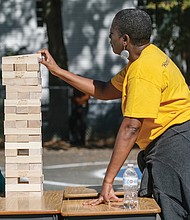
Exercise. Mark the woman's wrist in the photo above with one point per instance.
(108, 181)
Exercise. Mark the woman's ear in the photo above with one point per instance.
(126, 38)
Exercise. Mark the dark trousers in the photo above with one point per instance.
(166, 172)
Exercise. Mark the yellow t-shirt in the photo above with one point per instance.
(153, 88)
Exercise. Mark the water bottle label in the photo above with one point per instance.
(130, 181)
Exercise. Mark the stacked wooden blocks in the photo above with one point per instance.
(22, 125)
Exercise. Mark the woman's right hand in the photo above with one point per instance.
(48, 61)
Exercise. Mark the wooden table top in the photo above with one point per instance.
(76, 208)
(71, 192)
(49, 203)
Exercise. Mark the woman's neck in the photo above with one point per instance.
(135, 51)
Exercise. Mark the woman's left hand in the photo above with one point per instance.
(107, 195)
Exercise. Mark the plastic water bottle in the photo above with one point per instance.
(130, 187)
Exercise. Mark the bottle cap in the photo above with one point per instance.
(130, 165)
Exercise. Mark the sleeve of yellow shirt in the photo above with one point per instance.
(117, 80)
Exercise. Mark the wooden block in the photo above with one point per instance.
(21, 124)
(27, 195)
(20, 67)
(9, 124)
(36, 180)
(23, 166)
(22, 131)
(12, 95)
(24, 159)
(28, 145)
(35, 138)
(28, 110)
(16, 138)
(10, 88)
(35, 166)
(9, 109)
(10, 166)
(11, 180)
(21, 81)
(34, 124)
(23, 95)
(16, 124)
(10, 152)
(8, 67)
(33, 152)
(33, 67)
(12, 194)
(10, 138)
(27, 58)
(35, 95)
(10, 117)
(20, 74)
(23, 173)
(23, 187)
(34, 110)
(24, 139)
(22, 102)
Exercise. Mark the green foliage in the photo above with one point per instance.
(173, 30)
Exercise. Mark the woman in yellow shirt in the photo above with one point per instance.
(156, 113)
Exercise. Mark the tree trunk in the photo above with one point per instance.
(58, 103)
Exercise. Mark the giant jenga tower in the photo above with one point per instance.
(22, 125)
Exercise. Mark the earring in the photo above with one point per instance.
(124, 54)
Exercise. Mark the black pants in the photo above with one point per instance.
(166, 172)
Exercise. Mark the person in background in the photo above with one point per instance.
(156, 114)
(77, 120)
